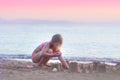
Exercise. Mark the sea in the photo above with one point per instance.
(94, 42)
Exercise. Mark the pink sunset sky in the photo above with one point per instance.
(69, 10)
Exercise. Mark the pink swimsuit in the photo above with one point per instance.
(33, 54)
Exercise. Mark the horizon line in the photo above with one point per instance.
(53, 21)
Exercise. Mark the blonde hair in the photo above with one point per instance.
(57, 38)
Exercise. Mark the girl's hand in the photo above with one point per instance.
(67, 67)
(64, 63)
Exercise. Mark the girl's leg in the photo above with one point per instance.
(40, 63)
(37, 57)
(44, 61)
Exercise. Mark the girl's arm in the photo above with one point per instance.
(50, 55)
(63, 62)
(46, 54)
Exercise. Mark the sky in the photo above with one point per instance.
(67, 10)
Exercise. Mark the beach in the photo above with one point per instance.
(18, 70)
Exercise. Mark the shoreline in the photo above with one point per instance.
(82, 59)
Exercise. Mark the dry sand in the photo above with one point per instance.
(17, 70)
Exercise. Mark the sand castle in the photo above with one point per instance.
(88, 67)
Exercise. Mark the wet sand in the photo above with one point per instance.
(17, 70)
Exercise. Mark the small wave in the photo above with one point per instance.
(85, 59)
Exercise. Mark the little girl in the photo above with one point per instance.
(43, 53)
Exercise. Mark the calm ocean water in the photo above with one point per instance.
(101, 41)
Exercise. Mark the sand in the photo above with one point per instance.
(17, 70)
